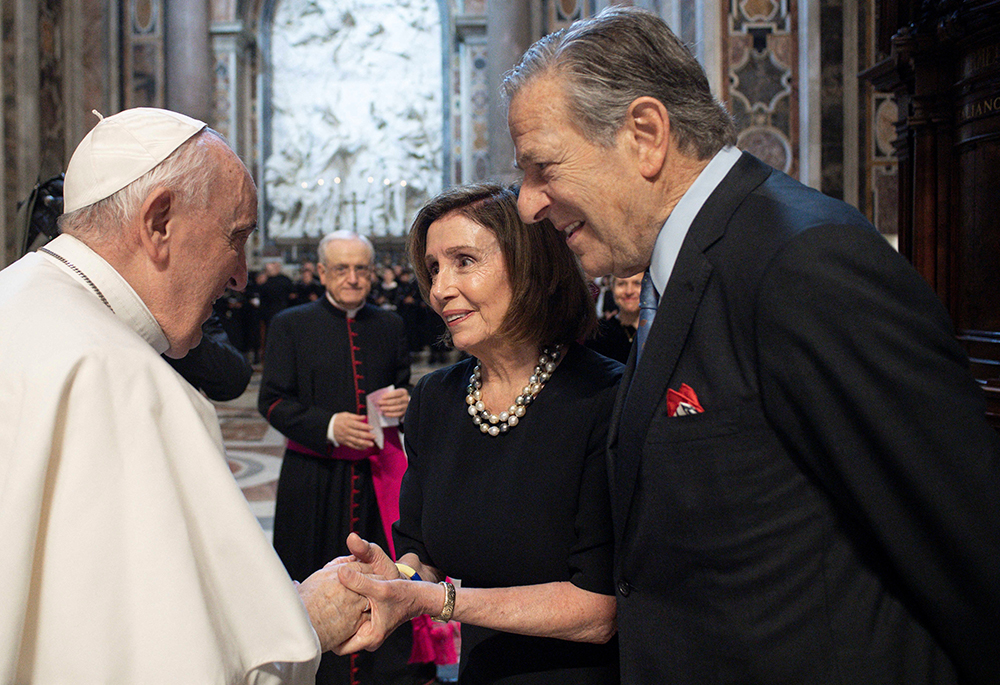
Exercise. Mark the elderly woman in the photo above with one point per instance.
(506, 487)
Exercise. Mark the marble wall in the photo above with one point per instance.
(356, 126)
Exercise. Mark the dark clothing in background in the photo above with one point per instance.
(612, 339)
(214, 365)
(275, 295)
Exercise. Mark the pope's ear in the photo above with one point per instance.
(154, 223)
(649, 125)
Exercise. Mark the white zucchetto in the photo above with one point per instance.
(120, 149)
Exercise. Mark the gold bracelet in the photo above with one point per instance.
(449, 603)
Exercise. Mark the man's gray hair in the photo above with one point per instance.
(621, 54)
(343, 234)
(184, 171)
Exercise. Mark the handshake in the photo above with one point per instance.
(356, 602)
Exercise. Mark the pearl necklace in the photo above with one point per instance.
(495, 424)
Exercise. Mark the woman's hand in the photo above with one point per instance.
(394, 600)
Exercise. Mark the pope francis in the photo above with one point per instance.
(128, 552)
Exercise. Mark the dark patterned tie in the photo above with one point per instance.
(647, 310)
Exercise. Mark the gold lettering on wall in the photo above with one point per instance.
(985, 107)
(982, 59)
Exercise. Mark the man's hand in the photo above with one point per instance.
(351, 430)
(336, 612)
(393, 403)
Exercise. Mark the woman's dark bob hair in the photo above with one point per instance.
(551, 303)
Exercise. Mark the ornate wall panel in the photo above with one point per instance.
(834, 87)
(879, 180)
(470, 97)
(558, 14)
(143, 54)
(762, 55)
(228, 46)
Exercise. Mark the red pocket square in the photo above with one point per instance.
(683, 402)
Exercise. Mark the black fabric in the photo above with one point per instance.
(612, 339)
(309, 369)
(526, 507)
(275, 295)
(832, 515)
(309, 375)
(214, 365)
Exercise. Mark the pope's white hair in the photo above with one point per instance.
(185, 171)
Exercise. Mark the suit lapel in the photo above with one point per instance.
(616, 413)
(644, 385)
(642, 396)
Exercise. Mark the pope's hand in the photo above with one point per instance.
(335, 611)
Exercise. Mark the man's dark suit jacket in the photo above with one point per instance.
(832, 515)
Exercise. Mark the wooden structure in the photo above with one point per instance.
(943, 64)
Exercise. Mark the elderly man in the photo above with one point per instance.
(129, 554)
(804, 484)
(322, 361)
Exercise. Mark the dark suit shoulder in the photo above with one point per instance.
(782, 207)
(773, 213)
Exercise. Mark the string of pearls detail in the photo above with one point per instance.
(495, 424)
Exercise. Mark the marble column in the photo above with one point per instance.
(189, 59)
(21, 168)
(508, 35)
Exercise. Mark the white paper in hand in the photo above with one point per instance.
(376, 419)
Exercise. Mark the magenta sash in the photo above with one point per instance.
(387, 466)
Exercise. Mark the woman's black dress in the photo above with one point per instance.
(526, 507)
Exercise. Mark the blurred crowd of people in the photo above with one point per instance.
(245, 315)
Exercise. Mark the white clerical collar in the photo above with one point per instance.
(351, 313)
(119, 295)
(671, 237)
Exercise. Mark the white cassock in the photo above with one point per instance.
(127, 552)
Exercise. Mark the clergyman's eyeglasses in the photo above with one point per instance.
(341, 270)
